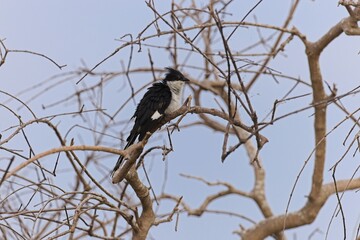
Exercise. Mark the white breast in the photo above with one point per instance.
(176, 88)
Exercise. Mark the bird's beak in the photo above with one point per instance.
(186, 80)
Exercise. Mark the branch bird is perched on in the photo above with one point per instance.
(161, 98)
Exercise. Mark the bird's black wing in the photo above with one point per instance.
(157, 98)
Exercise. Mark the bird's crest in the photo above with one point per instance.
(173, 75)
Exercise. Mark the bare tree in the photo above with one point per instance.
(66, 190)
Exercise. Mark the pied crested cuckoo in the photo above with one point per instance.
(161, 98)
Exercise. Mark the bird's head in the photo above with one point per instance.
(174, 75)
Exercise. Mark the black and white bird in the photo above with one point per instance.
(161, 98)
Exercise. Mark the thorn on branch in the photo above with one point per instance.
(81, 109)
(7, 169)
(67, 217)
(166, 150)
(149, 182)
(91, 226)
(56, 164)
(358, 142)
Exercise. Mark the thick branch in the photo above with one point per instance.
(147, 217)
(304, 216)
(320, 119)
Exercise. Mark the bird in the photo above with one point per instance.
(161, 98)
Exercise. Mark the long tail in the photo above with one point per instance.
(131, 140)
